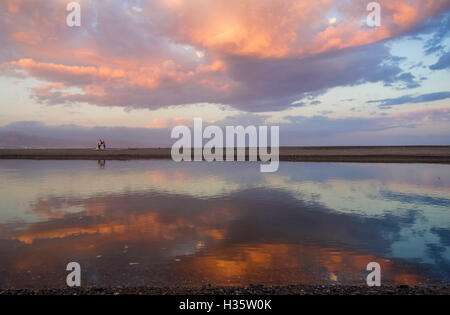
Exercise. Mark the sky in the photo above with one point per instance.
(135, 69)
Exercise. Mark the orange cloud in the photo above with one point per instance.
(94, 78)
(30, 38)
(278, 29)
(169, 122)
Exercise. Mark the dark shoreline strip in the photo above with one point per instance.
(404, 154)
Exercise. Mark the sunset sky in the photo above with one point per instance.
(135, 69)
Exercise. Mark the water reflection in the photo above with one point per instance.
(101, 164)
(165, 223)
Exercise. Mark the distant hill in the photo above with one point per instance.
(17, 140)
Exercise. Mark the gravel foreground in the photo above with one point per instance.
(250, 290)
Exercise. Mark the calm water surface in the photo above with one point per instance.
(166, 224)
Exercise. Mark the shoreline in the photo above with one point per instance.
(369, 154)
(255, 290)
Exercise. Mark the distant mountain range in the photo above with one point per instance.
(15, 140)
(18, 140)
(31, 134)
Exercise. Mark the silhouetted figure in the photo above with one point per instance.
(101, 144)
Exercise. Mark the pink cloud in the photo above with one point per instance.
(172, 52)
(279, 29)
(169, 123)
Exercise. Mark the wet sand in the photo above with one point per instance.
(257, 290)
(391, 154)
